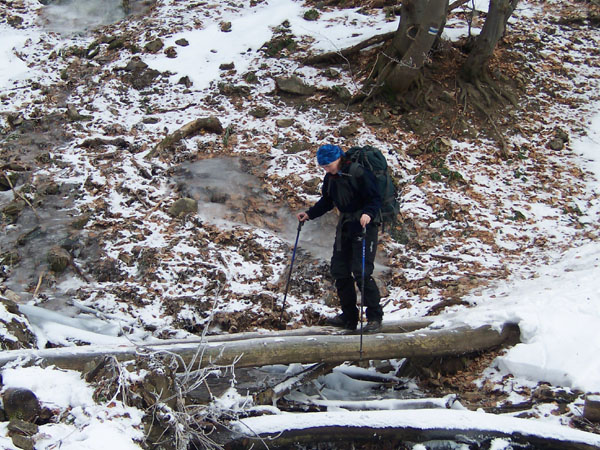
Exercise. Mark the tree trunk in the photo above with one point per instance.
(397, 68)
(287, 350)
(493, 29)
(388, 429)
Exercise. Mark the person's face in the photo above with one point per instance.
(333, 167)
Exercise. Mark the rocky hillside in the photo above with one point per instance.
(151, 168)
(99, 178)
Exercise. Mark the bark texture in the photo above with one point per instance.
(400, 64)
(287, 350)
(415, 432)
(493, 29)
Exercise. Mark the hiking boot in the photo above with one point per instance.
(373, 326)
(341, 322)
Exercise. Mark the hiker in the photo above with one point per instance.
(358, 202)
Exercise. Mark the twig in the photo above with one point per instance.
(39, 283)
(18, 194)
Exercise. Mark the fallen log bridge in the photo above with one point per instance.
(282, 349)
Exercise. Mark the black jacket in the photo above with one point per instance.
(353, 192)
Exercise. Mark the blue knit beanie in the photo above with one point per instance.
(328, 153)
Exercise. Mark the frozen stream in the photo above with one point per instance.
(228, 195)
(79, 16)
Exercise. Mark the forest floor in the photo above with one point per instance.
(484, 197)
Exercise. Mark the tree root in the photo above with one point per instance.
(469, 93)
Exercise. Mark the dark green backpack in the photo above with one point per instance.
(373, 159)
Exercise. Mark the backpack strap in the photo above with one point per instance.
(355, 171)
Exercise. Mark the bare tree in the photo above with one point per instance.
(398, 67)
(475, 67)
(400, 64)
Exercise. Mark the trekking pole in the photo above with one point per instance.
(287, 285)
(362, 288)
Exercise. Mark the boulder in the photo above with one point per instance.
(293, 85)
(58, 259)
(260, 112)
(284, 123)
(21, 404)
(18, 426)
(183, 207)
(154, 46)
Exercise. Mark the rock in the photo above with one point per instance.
(250, 77)
(8, 180)
(80, 221)
(171, 52)
(154, 46)
(74, 115)
(15, 21)
(138, 73)
(227, 66)
(311, 15)
(144, 79)
(186, 82)
(116, 44)
(591, 408)
(18, 426)
(17, 333)
(49, 188)
(332, 74)
(135, 65)
(342, 93)
(556, 144)
(225, 27)
(260, 112)
(13, 297)
(558, 140)
(293, 85)
(298, 146)
(203, 124)
(276, 45)
(349, 130)
(284, 123)
(58, 259)
(232, 90)
(24, 442)
(21, 404)
(182, 42)
(183, 207)
(372, 119)
(13, 210)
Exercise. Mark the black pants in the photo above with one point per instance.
(346, 269)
